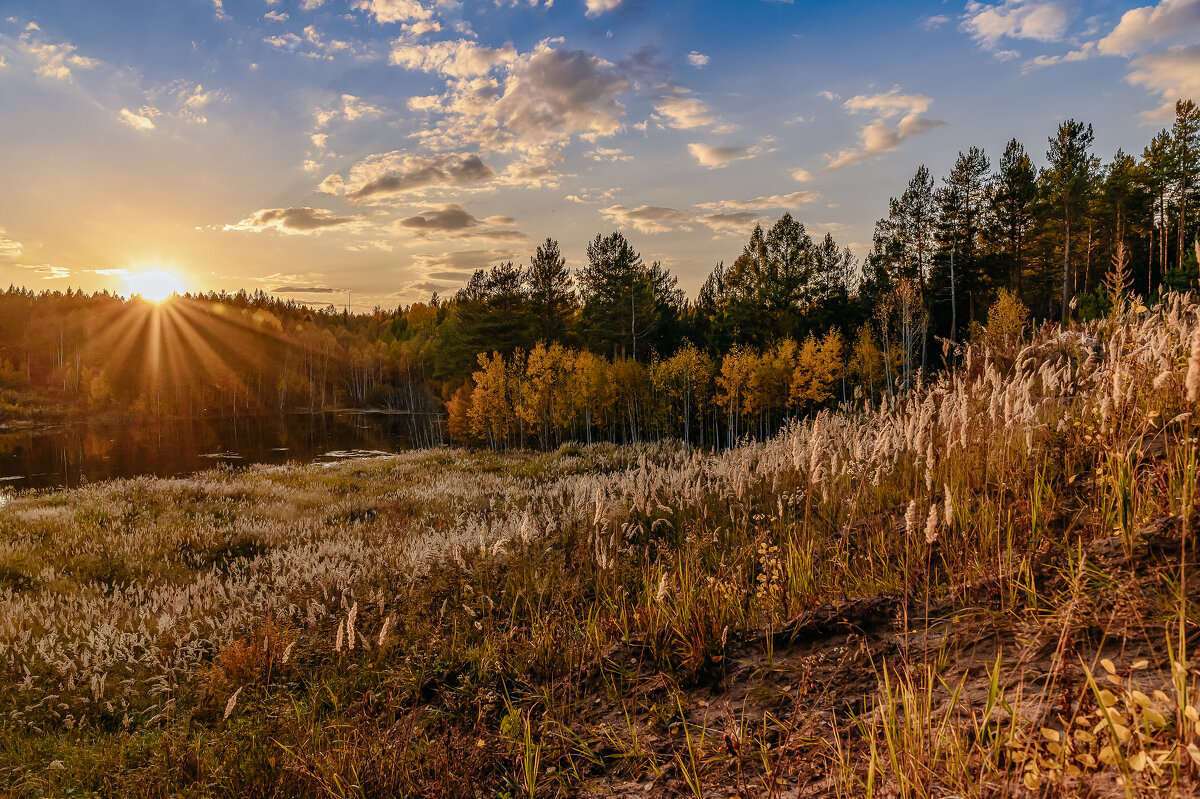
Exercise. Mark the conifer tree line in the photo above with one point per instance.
(535, 354)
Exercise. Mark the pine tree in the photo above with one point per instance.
(618, 299)
(551, 293)
(1012, 209)
(1069, 182)
(1185, 150)
(962, 205)
(1158, 170)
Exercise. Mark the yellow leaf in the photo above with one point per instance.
(1049, 734)
(1072, 771)
(1032, 781)
(1106, 698)
(1085, 736)
(1138, 761)
(1154, 717)
(1194, 751)
(1123, 733)
(1114, 679)
(1141, 699)
(1140, 664)
(1108, 666)
(1192, 714)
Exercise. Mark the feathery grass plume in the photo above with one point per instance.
(948, 506)
(662, 589)
(931, 524)
(341, 632)
(231, 704)
(912, 519)
(383, 631)
(287, 654)
(1193, 372)
(350, 626)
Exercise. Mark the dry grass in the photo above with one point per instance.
(922, 599)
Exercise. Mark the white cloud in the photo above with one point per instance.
(567, 91)
(456, 59)
(311, 5)
(934, 22)
(785, 201)
(452, 221)
(608, 154)
(386, 11)
(9, 248)
(697, 59)
(881, 135)
(888, 104)
(647, 218)
(825, 94)
(597, 7)
(421, 27)
(1173, 73)
(276, 16)
(681, 110)
(385, 175)
(302, 221)
(801, 175)
(332, 184)
(717, 157)
(138, 121)
(47, 271)
(54, 60)
(738, 223)
(1040, 20)
(1168, 21)
(1082, 54)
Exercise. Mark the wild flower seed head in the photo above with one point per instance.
(662, 589)
(1193, 372)
(341, 633)
(350, 626)
(912, 518)
(232, 703)
(931, 524)
(383, 631)
(948, 506)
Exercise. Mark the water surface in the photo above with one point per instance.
(72, 454)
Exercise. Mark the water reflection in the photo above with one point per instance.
(70, 455)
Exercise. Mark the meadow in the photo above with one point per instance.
(981, 587)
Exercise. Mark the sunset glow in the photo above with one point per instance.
(155, 285)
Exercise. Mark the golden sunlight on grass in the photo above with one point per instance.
(154, 285)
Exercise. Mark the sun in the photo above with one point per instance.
(154, 286)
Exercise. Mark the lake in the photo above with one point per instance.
(72, 454)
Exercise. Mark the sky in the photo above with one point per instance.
(384, 149)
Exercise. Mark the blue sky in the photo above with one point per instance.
(389, 147)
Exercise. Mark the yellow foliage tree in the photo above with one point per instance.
(490, 409)
(818, 366)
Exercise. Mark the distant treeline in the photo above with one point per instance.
(534, 354)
